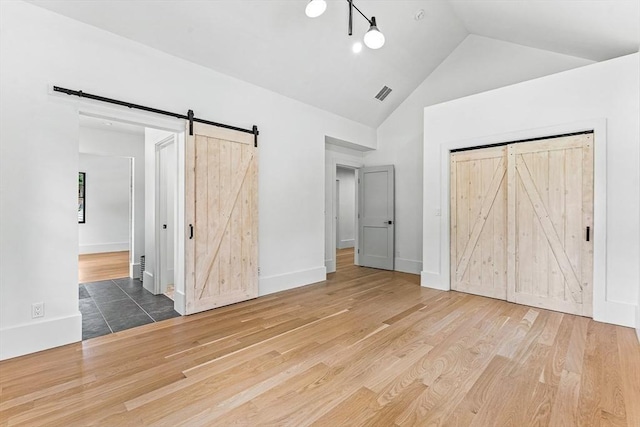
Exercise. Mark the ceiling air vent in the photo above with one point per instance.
(384, 92)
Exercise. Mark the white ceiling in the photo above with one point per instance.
(591, 29)
(274, 45)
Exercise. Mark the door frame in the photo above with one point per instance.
(331, 265)
(336, 218)
(94, 109)
(601, 307)
(157, 277)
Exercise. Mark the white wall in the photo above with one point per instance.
(347, 208)
(39, 143)
(107, 228)
(123, 144)
(603, 96)
(476, 65)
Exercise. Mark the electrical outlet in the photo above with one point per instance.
(37, 309)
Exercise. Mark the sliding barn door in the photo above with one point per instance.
(478, 222)
(521, 218)
(550, 208)
(221, 217)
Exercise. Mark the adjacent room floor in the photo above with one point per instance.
(115, 305)
(110, 301)
(103, 266)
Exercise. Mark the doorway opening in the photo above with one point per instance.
(128, 204)
(346, 201)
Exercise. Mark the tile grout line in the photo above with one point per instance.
(98, 308)
(136, 302)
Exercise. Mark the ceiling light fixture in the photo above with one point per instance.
(357, 47)
(373, 38)
(315, 8)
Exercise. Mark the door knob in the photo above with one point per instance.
(390, 222)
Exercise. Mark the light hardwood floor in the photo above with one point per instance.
(103, 266)
(366, 347)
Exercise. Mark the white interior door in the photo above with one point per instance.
(166, 163)
(376, 215)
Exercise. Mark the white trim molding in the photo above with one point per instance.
(407, 266)
(99, 248)
(31, 337)
(286, 281)
(134, 270)
(148, 281)
(346, 243)
(179, 302)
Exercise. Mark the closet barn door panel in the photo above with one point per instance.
(222, 209)
(519, 218)
(550, 206)
(478, 222)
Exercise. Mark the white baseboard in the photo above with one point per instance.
(179, 302)
(283, 282)
(148, 283)
(103, 247)
(616, 313)
(432, 280)
(330, 265)
(37, 336)
(134, 270)
(638, 322)
(408, 266)
(612, 312)
(348, 243)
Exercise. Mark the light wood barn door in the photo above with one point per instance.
(222, 207)
(478, 222)
(550, 207)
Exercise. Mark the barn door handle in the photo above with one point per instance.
(588, 233)
(190, 231)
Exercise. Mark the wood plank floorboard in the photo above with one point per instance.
(103, 266)
(366, 347)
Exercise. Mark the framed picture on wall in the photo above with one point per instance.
(81, 197)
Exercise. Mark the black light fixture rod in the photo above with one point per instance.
(359, 11)
(188, 117)
(350, 17)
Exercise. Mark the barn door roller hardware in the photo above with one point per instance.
(500, 144)
(189, 116)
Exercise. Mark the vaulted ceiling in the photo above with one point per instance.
(274, 45)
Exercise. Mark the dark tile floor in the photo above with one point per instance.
(115, 305)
